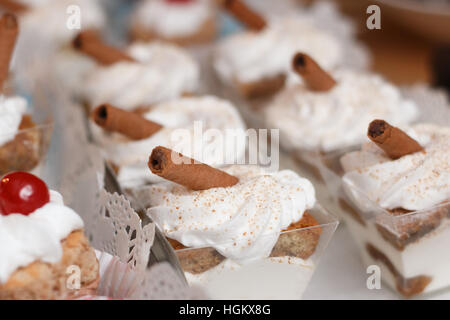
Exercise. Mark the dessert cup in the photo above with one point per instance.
(324, 169)
(250, 66)
(409, 248)
(407, 245)
(237, 230)
(285, 274)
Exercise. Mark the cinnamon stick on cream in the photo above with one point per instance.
(395, 142)
(9, 30)
(125, 122)
(244, 14)
(188, 172)
(91, 44)
(13, 6)
(313, 75)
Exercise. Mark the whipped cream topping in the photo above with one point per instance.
(251, 56)
(414, 182)
(12, 110)
(25, 239)
(50, 18)
(177, 118)
(164, 71)
(338, 118)
(173, 19)
(242, 222)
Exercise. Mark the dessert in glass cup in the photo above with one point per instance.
(256, 63)
(40, 239)
(181, 124)
(184, 22)
(241, 232)
(326, 115)
(397, 188)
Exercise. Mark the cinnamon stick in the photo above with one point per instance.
(9, 29)
(395, 142)
(188, 172)
(314, 76)
(244, 14)
(13, 6)
(125, 122)
(91, 44)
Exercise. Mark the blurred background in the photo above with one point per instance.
(413, 44)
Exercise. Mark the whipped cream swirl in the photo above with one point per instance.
(414, 182)
(338, 118)
(251, 56)
(180, 133)
(163, 72)
(173, 19)
(242, 222)
(25, 239)
(12, 110)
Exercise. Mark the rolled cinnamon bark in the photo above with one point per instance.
(188, 172)
(90, 43)
(9, 30)
(315, 77)
(13, 6)
(244, 14)
(127, 123)
(395, 142)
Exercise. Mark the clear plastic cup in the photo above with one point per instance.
(285, 274)
(409, 248)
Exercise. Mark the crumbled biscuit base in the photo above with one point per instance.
(44, 281)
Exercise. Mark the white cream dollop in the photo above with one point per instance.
(163, 71)
(338, 118)
(417, 181)
(36, 237)
(242, 222)
(12, 110)
(173, 19)
(251, 56)
(183, 120)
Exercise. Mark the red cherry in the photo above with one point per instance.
(179, 1)
(22, 192)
